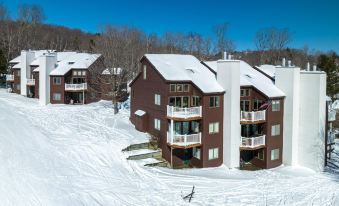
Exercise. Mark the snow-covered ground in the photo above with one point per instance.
(71, 155)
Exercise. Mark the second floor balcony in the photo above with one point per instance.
(252, 142)
(184, 112)
(253, 117)
(9, 77)
(183, 140)
(76, 87)
(30, 82)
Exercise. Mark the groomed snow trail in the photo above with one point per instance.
(71, 155)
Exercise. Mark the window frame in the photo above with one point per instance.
(275, 154)
(56, 82)
(144, 71)
(274, 130)
(175, 87)
(213, 128)
(187, 86)
(181, 86)
(157, 99)
(54, 96)
(196, 152)
(157, 124)
(214, 152)
(214, 101)
(275, 105)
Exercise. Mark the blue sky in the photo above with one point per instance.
(315, 24)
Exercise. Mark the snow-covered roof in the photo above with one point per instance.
(17, 66)
(60, 56)
(15, 60)
(267, 69)
(75, 61)
(251, 77)
(140, 112)
(175, 67)
(37, 53)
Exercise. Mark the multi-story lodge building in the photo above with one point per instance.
(56, 77)
(208, 113)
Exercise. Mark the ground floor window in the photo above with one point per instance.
(56, 96)
(157, 124)
(213, 153)
(275, 154)
(18, 87)
(196, 153)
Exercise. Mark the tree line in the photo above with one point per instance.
(123, 46)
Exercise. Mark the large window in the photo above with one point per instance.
(245, 105)
(215, 101)
(213, 153)
(56, 80)
(179, 101)
(196, 152)
(275, 105)
(257, 104)
(275, 154)
(260, 154)
(275, 130)
(56, 96)
(196, 101)
(157, 99)
(157, 124)
(213, 128)
(244, 92)
(144, 72)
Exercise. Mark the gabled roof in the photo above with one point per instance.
(175, 67)
(251, 77)
(60, 56)
(75, 61)
(37, 53)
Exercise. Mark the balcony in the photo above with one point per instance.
(252, 142)
(76, 87)
(252, 117)
(331, 115)
(184, 113)
(31, 82)
(9, 77)
(183, 141)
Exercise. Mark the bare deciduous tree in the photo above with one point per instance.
(223, 42)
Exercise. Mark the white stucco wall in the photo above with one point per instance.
(228, 76)
(312, 120)
(287, 79)
(27, 58)
(47, 64)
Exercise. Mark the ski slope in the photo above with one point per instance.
(71, 155)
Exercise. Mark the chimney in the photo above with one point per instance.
(47, 64)
(289, 63)
(225, 55)
(314, 67)
(283, 62)
(229, 57)
(308, 66)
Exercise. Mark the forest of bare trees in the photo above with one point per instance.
(122, 47)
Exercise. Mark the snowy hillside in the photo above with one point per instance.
(71, 155)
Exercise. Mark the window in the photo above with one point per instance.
(260, 155)
(195, 126)
(79, 73)
(18, 73)
(275, 154)
(186, 87)
(213, 153)
(74, 73)
(275, 105)
(144, 72)
(18, 87)
(83, 73)
(157, 99)
(245, 105)
(172, 87)
(196, 152)
(213, 128)
(275, 130)
(56, 80)
(157, 124)
(196, 101)
(257, 104)
(244, 92)
(179, 88)
(214, 101)
(56, 96)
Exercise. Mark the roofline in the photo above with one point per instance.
(169, 81)
(203, 63)
(259, 70)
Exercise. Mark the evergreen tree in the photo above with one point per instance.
(328, 64)
(3, 63)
